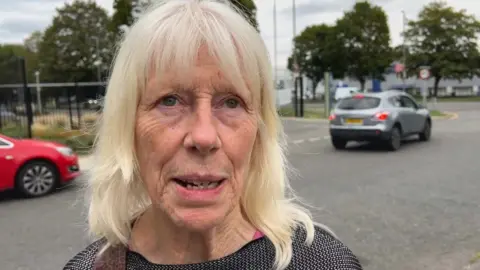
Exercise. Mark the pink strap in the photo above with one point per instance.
(257, 235)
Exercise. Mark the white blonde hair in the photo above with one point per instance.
(169, 35)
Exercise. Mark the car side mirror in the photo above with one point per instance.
(420, 106)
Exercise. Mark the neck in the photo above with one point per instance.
(156, 238)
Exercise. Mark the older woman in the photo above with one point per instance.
(190, 171)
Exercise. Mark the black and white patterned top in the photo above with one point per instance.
(325, 253)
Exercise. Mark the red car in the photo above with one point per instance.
(34, 167)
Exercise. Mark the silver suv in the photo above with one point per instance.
(385, 117)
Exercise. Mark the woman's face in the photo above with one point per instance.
(194, 139)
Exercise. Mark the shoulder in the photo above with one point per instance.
(85, 259)
(325, 252)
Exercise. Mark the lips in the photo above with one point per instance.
(199, 182)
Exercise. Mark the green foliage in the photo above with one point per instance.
(358, 46)
(32, 43)
(10, 71)
(68, 50)
(445, 40)
(81, 143)
(366, 37)
(122, 16)
(9, 65)
(248, 9)
(316, 52)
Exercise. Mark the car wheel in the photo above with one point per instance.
(36, 179)
(395, 140)
(426, 133)
(339, 143)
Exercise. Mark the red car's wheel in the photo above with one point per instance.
(37, 178)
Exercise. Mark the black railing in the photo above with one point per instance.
(29, 109)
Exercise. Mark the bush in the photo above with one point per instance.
(80, 141)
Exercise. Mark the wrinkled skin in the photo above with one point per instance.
(206, 126)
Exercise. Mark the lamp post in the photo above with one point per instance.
(98, 62)
(275, 43)
(404, 48)
(39, 89)
(27, 98)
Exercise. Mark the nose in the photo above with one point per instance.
(203, 136)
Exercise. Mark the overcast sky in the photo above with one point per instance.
(18, 18)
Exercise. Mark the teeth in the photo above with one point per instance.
(202, 185)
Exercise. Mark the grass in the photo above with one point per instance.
(287, 111)
(437, 113)
(475, 258)
(80, 141)
(452, 99)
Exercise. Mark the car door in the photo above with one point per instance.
(7, 165)
(403, 112)
(414, 121)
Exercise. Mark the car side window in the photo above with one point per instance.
(2, 143)
(408, 103)
(395, 101)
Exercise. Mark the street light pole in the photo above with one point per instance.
(404, 48)
(275, 43)
(98, 61)
(39, 96)
(298, 111)
(294, 27)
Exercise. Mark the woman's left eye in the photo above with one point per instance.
(232, 103)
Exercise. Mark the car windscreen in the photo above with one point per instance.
(358, 103)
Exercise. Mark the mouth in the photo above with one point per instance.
(198, 185)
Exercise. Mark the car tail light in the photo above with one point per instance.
(332, 117)
(382, 116)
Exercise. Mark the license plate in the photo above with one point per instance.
(352, 121)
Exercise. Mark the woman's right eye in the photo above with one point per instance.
(169, 101)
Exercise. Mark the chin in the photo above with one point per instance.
(200, 219)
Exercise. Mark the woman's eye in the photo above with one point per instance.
(169, 101)
(232, 103)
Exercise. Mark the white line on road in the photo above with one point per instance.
(313, 139)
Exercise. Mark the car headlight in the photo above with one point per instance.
(65, 151)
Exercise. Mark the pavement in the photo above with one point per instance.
(412, 209)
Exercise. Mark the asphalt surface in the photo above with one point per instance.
(417, 208)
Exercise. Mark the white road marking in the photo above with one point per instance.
(313, 139)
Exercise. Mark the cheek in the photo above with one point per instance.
(238, 145)
(154, 147)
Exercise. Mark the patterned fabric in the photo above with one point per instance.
(325, 253)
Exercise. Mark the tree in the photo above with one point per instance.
(445, 40)
(76, 42)
(122, 16)
(10, 71)
(32, 42)
(365, 36)
(249, 10)
(9, 68)
(316, 52)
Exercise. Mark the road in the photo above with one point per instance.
(413, 209)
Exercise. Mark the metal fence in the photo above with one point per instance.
(29, 108)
